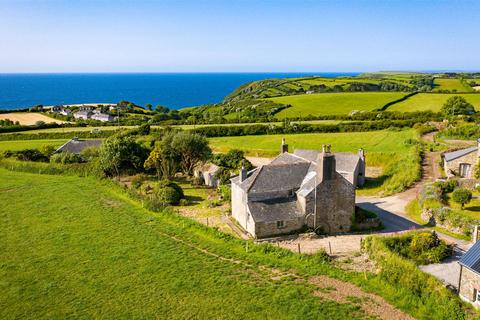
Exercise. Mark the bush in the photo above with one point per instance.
(462, 196)
(163, 194)
(27, 155)
(138, 180)
(66, 158)
(446, 186)
(457, 105)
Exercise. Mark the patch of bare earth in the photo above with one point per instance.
(344, 292)
(28, 118)
(358, 262)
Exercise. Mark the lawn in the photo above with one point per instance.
(29, 144)
(431, 102)
(334, 103)
(269, 145)
(471, 209)
(450, 84)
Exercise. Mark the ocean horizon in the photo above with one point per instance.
(173, 90)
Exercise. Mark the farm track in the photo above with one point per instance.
(327, 288)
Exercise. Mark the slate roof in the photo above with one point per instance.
(449, 156)
(471, 259)
(279, 177)
(76, 146)
(272, 210)
(345, 161)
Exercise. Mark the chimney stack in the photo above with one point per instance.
(326, 164)
(361, 153)
(475, 234)
(284, 147)
(243, 174)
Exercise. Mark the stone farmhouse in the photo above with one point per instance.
(469, 279)
(292, 193)
(85, 115)
(461, 163)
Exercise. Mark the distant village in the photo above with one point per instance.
(87, 112)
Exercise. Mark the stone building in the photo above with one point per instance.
(461, 163)
(292, 193)
(469, 278)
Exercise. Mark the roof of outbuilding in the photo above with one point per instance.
(76, 146)
(274, 210)
(471, 259)
(449, 156)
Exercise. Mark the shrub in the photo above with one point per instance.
(27, 155)
(138, 179)
(165, 193)
(66, 158)
(462, 196)
(457, 105)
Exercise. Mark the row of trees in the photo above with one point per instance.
(172, 152)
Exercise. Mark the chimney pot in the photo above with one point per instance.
(284, 147)
(243, 174)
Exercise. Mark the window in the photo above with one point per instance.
(280, 224)
(477, 295)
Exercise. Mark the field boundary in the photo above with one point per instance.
(391, 103)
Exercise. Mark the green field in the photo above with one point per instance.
(77, 248)
(450, 84)
(334, 103)
(269, 145)
(431, 102)
(15, 145)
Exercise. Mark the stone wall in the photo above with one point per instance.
(265, 229)
(469, 283)
(335, 205)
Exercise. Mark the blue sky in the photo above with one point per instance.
(243, 36)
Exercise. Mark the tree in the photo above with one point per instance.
(121, 153)
(149, 107)
(462, 196)
(164, 158)
(457, 105)
(192, 148)
(161, 109)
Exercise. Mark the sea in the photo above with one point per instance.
(173, 90)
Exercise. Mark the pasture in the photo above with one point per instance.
(450, 84)
(334, 103)
(28, 118)
(78, 248)
(431, 102)
(15, 145)
(269, 145)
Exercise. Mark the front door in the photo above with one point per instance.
(465, 170)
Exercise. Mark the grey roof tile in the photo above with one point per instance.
(471, 259)
(274, 210)
(76, 146)
(449, 156)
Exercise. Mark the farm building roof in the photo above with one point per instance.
(471, 259)
(449, 156)
(76, 146)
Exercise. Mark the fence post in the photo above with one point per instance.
(207, 221)
(298, 247)
(330, 247)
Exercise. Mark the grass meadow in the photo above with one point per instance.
(431, 102)
(269, 145)
(16, 145)
(76, 247)
(334, 103)
(450, 84)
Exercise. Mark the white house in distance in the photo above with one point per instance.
(82, 115)
(104, 117)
